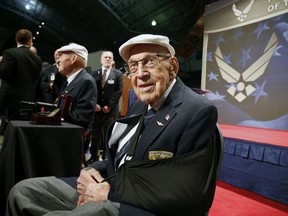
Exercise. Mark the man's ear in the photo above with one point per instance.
(30, 43)
(74, 58)
(174, 65)
(173, 68)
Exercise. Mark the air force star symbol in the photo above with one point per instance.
(240, 87)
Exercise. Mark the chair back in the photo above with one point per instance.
(219, 142)
(218, 150)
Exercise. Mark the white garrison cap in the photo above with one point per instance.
(76, 48)
(125, 48)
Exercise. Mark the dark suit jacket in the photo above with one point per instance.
(84, 96)
(20, 69)
(3, 95)
(185, 122)
(189, 121)
(112, 90)
(45, 94)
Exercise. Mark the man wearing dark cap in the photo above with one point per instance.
(80, 84)
(184, 122)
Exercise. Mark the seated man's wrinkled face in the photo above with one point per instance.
(65, 62)
(151, 72)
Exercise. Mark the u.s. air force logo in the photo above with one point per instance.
(241, 83)
(242, 15)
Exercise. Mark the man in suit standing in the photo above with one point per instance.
(109, 84)
(80, 85)
(19, 69)
(184, 123)
(50, 82)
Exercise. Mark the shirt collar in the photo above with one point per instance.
(103, 68)
(71, 78)
(21, 45)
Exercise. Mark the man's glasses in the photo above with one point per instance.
(148, 62)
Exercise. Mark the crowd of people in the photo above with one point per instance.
(25, 77)
(182, 122)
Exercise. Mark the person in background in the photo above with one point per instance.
(19, 69)
(184, 122)
(45, 65)
(50, 82)
(79, 84)
(109, 84)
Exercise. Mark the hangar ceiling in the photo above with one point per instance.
(102, 24)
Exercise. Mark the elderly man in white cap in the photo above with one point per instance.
(183, 124)
(80, 85)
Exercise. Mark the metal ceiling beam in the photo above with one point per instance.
(108, 5)
(14, 8)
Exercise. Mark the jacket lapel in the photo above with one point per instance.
(70, 87)
(110, 77)
(161, 119)
(122, 128)
(157, 124)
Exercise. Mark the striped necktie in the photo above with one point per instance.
(151, 112)
(121, 153)
(103, 80)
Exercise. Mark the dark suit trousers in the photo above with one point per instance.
(99, 128)
(52, 196)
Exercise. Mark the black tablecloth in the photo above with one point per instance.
(30, 150)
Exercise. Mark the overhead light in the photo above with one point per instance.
(153, 23)
(27, 7)
(42, 23)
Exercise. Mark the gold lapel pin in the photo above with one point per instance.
(167, 117)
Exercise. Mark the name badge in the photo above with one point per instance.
(156, 155)
(110, 82)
